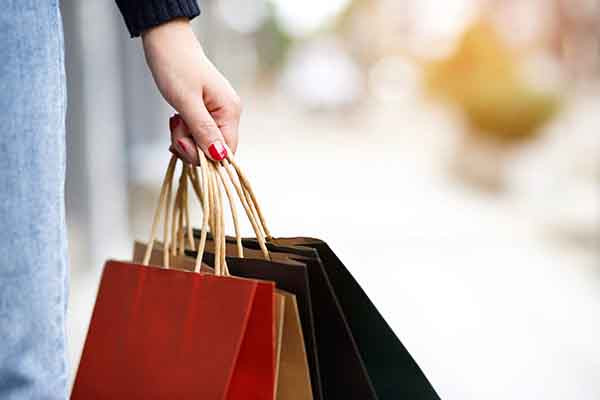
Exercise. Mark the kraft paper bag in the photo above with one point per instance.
(294, 376)
(279, 315)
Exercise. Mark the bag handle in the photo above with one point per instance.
(161, 206)
(247, 204)
(249, 195)
(181, 216)
(223, 171)
(233, 210)
(217, 217)
(186, 210)
(197, 188)
(177, 217)
(174, 215)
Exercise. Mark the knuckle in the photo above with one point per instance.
(204, 127)
(206, 132)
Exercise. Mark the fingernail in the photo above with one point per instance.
(174, 122)
(184, 151)
(172, 149)
(217, 151)
(182, 145)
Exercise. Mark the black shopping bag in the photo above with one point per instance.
(391, 369)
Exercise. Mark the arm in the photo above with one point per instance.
(209, 108)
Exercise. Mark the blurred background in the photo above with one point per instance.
(448, 151)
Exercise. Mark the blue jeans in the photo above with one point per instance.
(33, 246)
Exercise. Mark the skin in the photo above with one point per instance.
(208, 106)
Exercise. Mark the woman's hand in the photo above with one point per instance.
(209, 107)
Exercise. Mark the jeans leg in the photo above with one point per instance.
(33, 246)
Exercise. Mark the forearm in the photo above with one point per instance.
(208, 107)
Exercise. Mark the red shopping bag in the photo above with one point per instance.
(160, 333)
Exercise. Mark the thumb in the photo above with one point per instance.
(205, 131)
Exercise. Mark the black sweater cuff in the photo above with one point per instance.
(140, 15)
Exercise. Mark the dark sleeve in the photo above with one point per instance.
(140, 15)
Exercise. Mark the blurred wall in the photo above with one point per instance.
(97, 168)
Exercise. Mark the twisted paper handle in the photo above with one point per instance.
(222, 170)
(174, 216)
(250, 197)
(161, 206)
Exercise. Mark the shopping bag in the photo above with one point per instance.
(391, 368)
(279, 316)
(292, 372)
(148, 337)
(294, 376)
(162, 333)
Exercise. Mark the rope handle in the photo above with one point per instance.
(250, 196)
(175, 214)
(180, 217)
(228, 172)
(248, 208)
(161, 206)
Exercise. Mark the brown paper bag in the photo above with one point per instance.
(292, 373)
(279, 321)
(294, 378)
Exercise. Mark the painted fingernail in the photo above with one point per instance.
(182, 145)
(217, 151)
(174, 122)
(184, 151)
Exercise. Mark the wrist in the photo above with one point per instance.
(173, 29)
(170, 38)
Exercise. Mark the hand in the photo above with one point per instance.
(209, 107)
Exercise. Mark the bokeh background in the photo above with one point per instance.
(448, 151)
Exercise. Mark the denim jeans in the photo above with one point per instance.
(33, 246)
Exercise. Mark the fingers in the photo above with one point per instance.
(205, 132)
(182, 144)
(215, 132)
(230, 132)
(228, 120)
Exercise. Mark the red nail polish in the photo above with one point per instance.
(174, 122)
(181, 143)
(217, 151)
